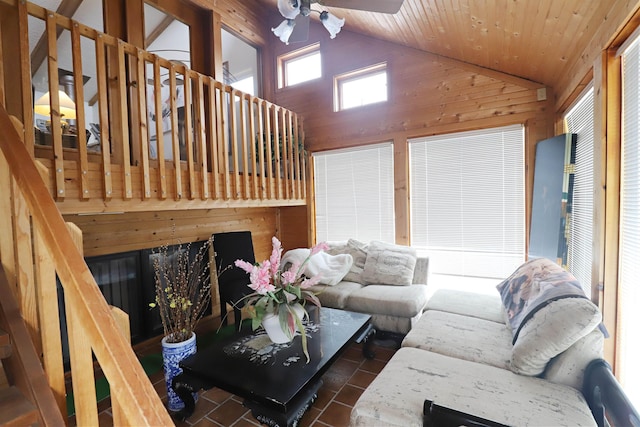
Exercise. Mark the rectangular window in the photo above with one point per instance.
(361, 87)
(467, 201)
(579, 120)
(627, 368)
(299, 66)
(354, 194)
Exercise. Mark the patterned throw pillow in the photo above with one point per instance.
(358, 251)
(389, 264)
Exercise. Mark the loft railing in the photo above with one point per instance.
(166, 133)
(40, 246)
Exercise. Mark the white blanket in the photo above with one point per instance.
(331, 268)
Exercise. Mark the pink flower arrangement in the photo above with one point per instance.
(275, 291)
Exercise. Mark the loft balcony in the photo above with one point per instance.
(144, 133)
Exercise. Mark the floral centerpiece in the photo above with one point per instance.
(278, 291)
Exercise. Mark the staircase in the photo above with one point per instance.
(15, 409)
(25, 396)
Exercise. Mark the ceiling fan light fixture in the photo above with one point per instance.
(284, 30)
(289, 8)
(332, 23)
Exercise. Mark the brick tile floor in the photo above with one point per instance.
(344, 382)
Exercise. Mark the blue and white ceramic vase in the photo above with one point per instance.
(172, 354)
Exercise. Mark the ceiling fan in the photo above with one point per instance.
(295, 27)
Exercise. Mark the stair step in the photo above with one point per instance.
(15, 409)
(5, 345)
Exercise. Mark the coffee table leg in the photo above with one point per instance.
(367, 337)
(291, 418)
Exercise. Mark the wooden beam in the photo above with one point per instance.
(158, 30)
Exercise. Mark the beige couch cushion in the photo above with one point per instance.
(335, 296)
(468, 338)
(482, 306)
(389, 264)
(552, 330)
(403, 301)
(396, 395)
(568, 367)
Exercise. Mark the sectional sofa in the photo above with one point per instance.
(514, 358)
(385, 280)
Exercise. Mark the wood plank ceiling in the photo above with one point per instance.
(537, 40)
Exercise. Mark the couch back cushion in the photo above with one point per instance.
(568, 367)
(550, 331)
(389, 264)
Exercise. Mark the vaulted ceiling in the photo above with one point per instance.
(538, 40)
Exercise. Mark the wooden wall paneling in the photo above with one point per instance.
(610, 295)
(401, 189)
(293, 226)
(187, 130)
(607, 33)
(106, 234)
(427, 93)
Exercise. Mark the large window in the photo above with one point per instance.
(579, 120)
(629, 266)
(354, 194)
(467, 201)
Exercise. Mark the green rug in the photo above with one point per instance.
(151, 364)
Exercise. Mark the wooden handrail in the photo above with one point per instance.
(138, 399)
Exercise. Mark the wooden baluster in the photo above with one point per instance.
(245, 151)
(252, 142)
(103, 109)
(269, 160)
(157, 99)
(78, 86)
(175, 138)
(122, 319)
(215, 136)
(143, 130)
(233, 130)
(187, 131)
(122, 111)
(201, 135)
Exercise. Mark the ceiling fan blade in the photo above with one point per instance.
(381, 6)
(301, 30)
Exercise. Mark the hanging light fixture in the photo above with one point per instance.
(290, 9)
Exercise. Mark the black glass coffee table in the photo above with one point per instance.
(275, 380)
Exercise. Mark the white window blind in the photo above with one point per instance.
(467, 201)
(354, 194)
(629, 260)
(579, 120)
